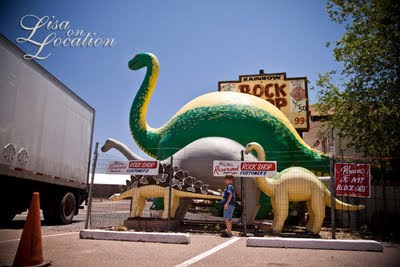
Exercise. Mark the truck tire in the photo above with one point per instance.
(67, 208)
(63, 212)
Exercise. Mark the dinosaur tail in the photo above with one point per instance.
(199, 195)
(339, 205)
(123, 195)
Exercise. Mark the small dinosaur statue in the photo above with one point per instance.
(139, 195)
(296, 184)
(183, 186)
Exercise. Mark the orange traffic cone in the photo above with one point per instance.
(29, 251)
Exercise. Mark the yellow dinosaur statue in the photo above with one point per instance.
(296, 184)
(139, 195)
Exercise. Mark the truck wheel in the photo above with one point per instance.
(63, 212)
(67, 208)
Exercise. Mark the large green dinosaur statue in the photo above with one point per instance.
(240, 117)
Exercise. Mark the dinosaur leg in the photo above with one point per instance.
(184, 206)
(281, 203)
(318, 208)
(174, 205)
(310, 216)
(166, 202)
(273, 206)
(142, 204)
(135, 203)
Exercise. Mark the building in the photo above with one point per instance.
(317, 136)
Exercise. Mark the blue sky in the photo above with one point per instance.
(198, 43)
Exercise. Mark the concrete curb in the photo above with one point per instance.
(310, 243)
(171, 238)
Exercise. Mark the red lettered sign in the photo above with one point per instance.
(353, 179)
(135, 167)
(143, 164)
(244, 168)
(258, 166)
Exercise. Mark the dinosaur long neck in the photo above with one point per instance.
(265, 184)
(123, 149)
(145, 137)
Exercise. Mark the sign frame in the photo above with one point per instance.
(285, 78)
(346, 193)
(127, 167)
(238, 168)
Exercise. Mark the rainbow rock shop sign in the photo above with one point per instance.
(288, 94)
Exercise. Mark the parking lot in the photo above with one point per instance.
(61, 245)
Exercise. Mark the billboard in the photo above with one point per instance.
(244, 168)
(290, 95)
(133, 167)
(353, 179)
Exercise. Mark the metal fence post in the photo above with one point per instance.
(332, 164)
(170, 192)
(89, 206)
(243, 193)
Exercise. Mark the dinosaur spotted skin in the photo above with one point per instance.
(240, 117)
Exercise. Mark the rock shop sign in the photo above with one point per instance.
(133, 167)
(288, 94)
(244, 168)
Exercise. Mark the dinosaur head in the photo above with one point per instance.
(251, 146)
(257, 148)
(107, 145)
(140, 61)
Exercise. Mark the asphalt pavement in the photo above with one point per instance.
(62, 245)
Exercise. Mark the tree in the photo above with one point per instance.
(366, 100)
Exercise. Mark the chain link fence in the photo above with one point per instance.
(185, 195)
(176, 192)
(381, 214)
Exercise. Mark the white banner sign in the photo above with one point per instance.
(135, 167)
(244, 168)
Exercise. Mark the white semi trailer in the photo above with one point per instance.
(45, 140)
